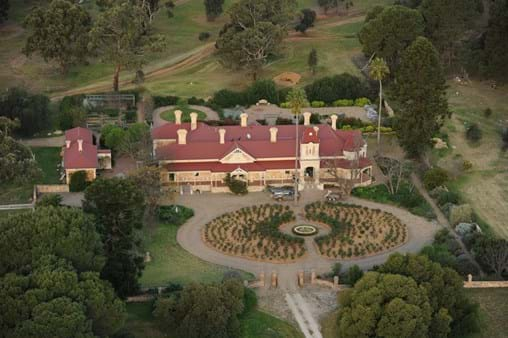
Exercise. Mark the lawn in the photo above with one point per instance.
(407, 197)
(48, 159)
(169, 115)
(485, 186)
(494, 306)
(171, 263)
(329, 327)
(255, 324)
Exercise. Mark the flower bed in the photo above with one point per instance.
(253, 232)
(356, 231)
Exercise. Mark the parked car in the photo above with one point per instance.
(285, 195)
(273, 189)
(332, 197)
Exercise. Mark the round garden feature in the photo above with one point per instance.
(305, 230)
(253, 232)
(355, 231)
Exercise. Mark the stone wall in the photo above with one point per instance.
(51, 188)
(484, 284)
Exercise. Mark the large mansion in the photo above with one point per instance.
(197, 157)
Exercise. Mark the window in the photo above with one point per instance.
(196, 174)
(171, 177)
(287, 172)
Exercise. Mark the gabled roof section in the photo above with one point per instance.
(79, 133)
(237, 155)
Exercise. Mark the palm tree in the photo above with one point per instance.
(378, 71)
(297, 100)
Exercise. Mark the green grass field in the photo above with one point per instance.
(494, 307)
(171, 263)
(169, 115)
(255, 324)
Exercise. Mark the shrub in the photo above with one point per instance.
(474, 133)
(343, 103)
(78, 182)
(237, 187)
(487, 113)
(446, 197)
(467, 165)
(203, 36)
(317, 104)
(262, 90)
(332, 88)
(434, 178)
(354, 274)
(174, 214)
(336, 269)
(464, 266)
(362, 101)
(504, 138)
(250, 300)
(161, 101)
(460, 214)
(49, 200)
(286, 105)
(226, 98)
(196, 101)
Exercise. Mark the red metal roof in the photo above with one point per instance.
(223, 168)
(79, 133)
(85, 159)
(203, 142)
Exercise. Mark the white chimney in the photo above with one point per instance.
(243, 119)
(80, 145)
(182, 136)
(334, 121)
(316, 129)
(194, 121)
(67, 144)
(178, 117)
(273, 134)
(306, 118)
(222, 134)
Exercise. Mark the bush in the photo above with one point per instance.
(161, 101)
(336, 269)
(286, 105)
(444, 197)
(467, 165)
(317, 104)
(487, 113)
(175, 214)
(362, 101)
(504, 138)
(474, 133)
(262, 90)
(78, 182)
(250, 300)
(460, 214)
(196, 101)
(464, 266)
(354, 274)
(332, 88)
(49, 200)
(203, 36)
(226, 98)
(434, 178)
(237, 187)
(343, 103)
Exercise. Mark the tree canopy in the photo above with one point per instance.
(118, 208)
(213, 9)
(4, 10)
(420, 92)
(59, 32)
(254, 33)
(202, 311)
(120, 37)
(307, 18)
(49, 279)
(387, 33)
(496, 42)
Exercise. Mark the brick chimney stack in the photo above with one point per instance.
(334, 121)
(194, 121)
(306, 118)
(243, 119)
(178, 117)
(182, 136)
(80, 145)
(222, 134)
(273, 134)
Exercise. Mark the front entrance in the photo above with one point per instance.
(309, 172)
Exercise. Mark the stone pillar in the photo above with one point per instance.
(148, 258)
(336, 282)
(194, 121)
(273, 134)
(301, 281)
(182, 136)
(274, 279)
(313, 277)
(469, 278)
(334, 121)
(243, 119)
(262, 279)
(178, 117)
(222, 135)
(306, 118)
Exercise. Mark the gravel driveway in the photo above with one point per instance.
(208, 206)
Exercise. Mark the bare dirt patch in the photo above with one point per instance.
(356, 231)
(287, 79)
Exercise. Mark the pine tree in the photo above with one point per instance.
(496, 42)
(420, 92)
(313, 61)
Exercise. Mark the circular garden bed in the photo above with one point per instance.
(253, 232)
(356, 231)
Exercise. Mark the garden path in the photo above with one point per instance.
(208, 206)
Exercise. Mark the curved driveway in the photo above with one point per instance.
(159, 121)
(208, 206)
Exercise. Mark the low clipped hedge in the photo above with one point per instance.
(174, 214)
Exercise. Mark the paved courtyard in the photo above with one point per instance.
(209, 206)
